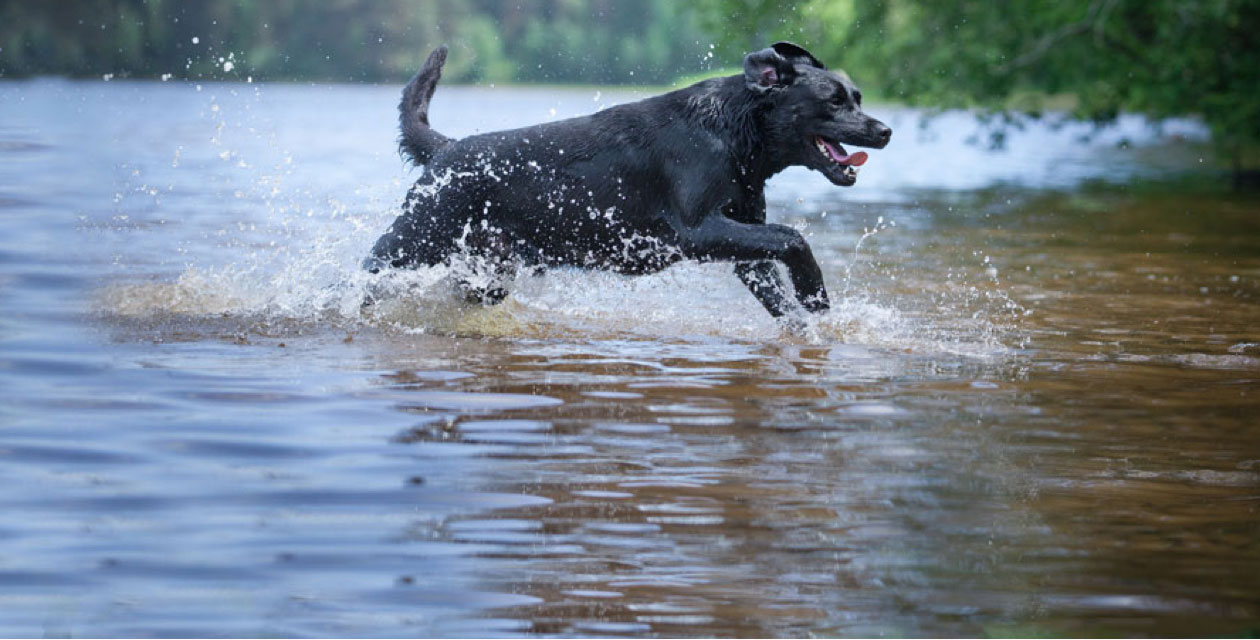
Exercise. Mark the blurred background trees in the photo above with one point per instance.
(571, 41)
(1093, 58)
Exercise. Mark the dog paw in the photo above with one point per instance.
(816, 304)
(485, 296)
(795, 324)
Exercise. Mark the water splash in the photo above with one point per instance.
(299, 271)
(689, 301)
(288, 260)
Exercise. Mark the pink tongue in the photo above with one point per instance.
(855, 160)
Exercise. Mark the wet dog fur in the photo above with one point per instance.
(636, 187)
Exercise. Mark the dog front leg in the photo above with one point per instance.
(720, 238)
(763, 280)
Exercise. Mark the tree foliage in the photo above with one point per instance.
(591, 41)
(1157, 57)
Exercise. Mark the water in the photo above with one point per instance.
(1032, 410)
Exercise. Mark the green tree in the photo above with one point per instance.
(625, 41)
(1160, 58)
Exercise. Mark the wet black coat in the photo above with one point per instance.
(633, 188)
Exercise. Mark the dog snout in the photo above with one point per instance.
(882, 133)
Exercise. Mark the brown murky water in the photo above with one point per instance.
(1033, 410)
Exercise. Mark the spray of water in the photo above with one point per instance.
(295, 267)
(322, 286)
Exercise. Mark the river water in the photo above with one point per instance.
(1033, 409)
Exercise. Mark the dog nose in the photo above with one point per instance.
(883, 133)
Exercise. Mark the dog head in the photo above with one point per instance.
(815, 111)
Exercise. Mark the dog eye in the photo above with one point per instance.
(857, 98)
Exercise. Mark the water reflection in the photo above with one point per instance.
(1031, 412)
(777, 495)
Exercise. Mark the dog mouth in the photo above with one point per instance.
(840, 167)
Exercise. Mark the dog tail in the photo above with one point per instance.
(419, 142)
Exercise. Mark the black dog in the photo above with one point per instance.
(636, 187)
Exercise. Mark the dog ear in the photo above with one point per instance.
(796, 54)
(765, 69)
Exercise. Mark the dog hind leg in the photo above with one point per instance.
(485, 268)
